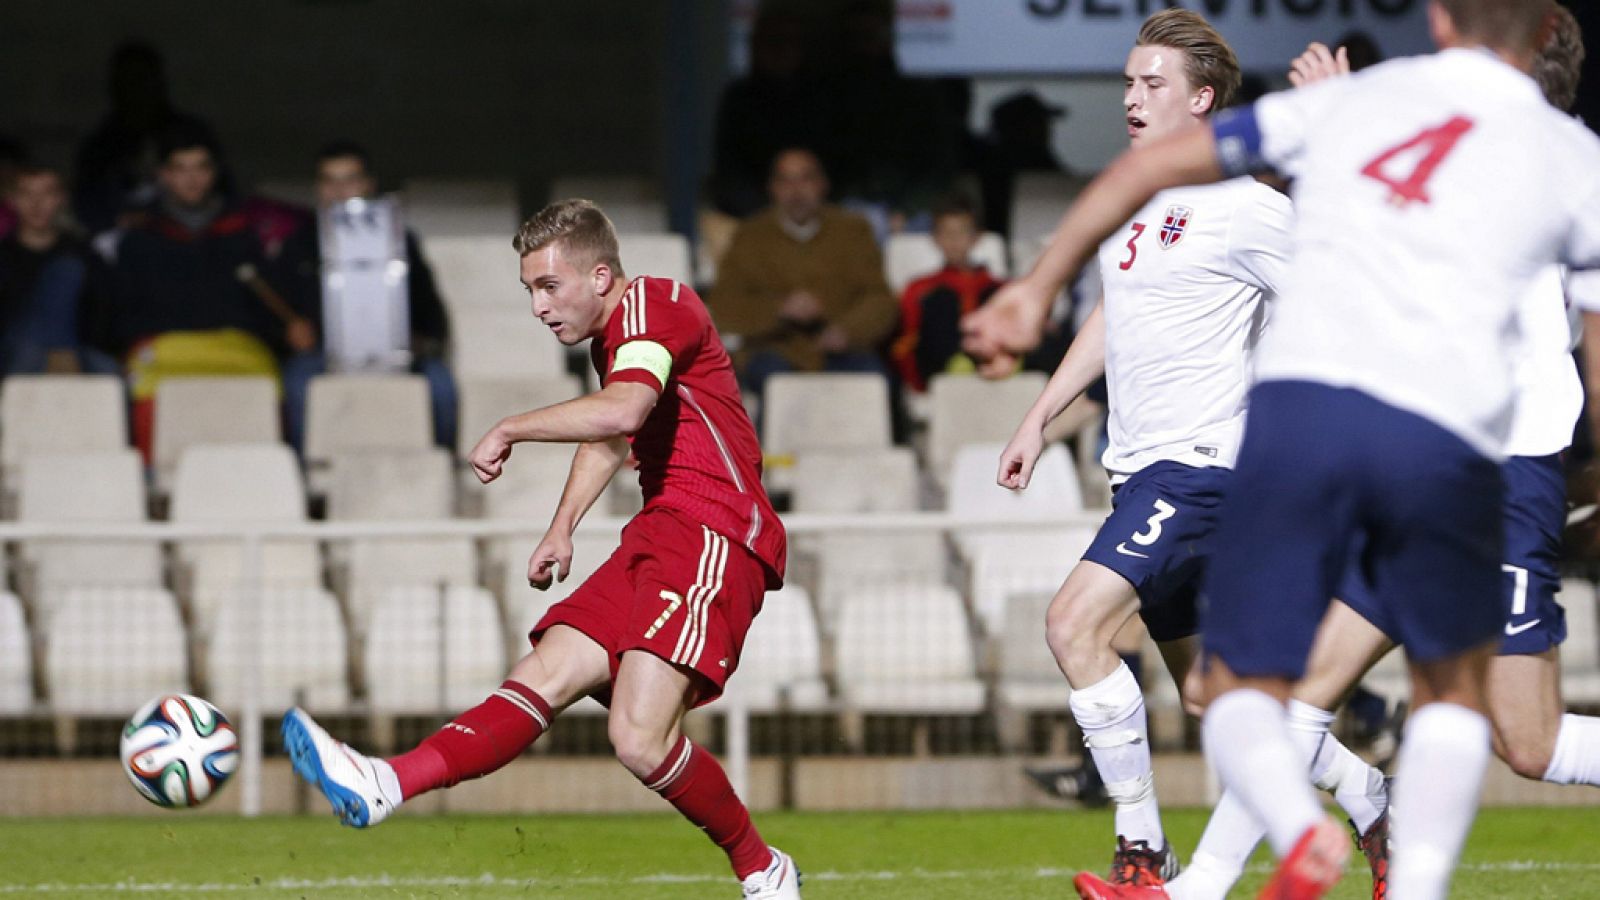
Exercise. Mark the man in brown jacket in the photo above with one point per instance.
(802, 285)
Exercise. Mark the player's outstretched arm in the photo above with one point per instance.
(593, 466)
(1318, 63)
(1013, 320)
(617, 410)
(1084, 363)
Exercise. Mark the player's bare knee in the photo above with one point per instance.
(640, 748)
(1076, 626)
(1528, 757)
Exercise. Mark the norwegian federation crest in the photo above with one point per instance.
(1175, 224)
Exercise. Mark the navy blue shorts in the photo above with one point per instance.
(1320, 470)
(1158, 536)
(1530, 577)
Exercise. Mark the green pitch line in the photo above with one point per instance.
(1523, 853)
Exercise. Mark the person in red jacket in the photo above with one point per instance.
(931, 307)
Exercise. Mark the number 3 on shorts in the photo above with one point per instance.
(1152, 532)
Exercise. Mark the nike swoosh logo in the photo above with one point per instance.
(1513, 632)
(1123, 549)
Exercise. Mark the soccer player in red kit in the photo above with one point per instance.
(658, 628)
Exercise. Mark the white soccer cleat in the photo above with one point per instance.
(780, 880)
(348, 779)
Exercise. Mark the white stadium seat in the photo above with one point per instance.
(485, 401)
(357, 413)
(878, 479)
(1053, 493)
(907, 650)
(431, 652)
(301, 645)
(42, 414)
(238, 483)
(477, 271)
(443, 207)
(1029, 680)
(967, 410)
(824, 411)
(1021, 563)
(502, 343)
(847, 561)
(16, 658)
(212, 411)
(1039, 200)
(781, 665)
(102, 487)
(526, 604)
(1580, 655)
(392, 484)
(111, 649)
(908, 257)
(660, 254)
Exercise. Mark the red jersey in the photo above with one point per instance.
(697, 450)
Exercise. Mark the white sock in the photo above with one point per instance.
(1112, 716)
(1576, 759)
(1437, 782)
(388, 781)
(1247, 741)
(1230, 837)
(1358, 788)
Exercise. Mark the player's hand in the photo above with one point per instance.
(1011, 322)
(551, 560)
(998, 366)
(1318, 63)
(490, 455)
(800, 306)
(833, 339)
(1020, 456)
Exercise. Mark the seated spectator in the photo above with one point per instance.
(344, 172)
(12, 158)
(189, 297)
(115, 173)
(802, 287)
(931, 306)
(53, 289)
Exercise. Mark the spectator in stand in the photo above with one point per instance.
(1019, 141)
(53, 289)
(189, 296)
(931, 306)
(802, 285)
(345, 172)
(117, 163)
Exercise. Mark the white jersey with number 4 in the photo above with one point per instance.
(1184, 285)
(1429, 195)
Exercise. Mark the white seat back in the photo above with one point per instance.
(106, 486)
(967, 410)
(904, 634)
(484, 402)
(630, 202)
(428, 652)
(504, 342)
(41, 414)
(477, 271)
(398, 484)
(1581, 651)
(882, 479)
(1021, 564)
(1052, 492)
(212, 411)
(660, 254)
(848, 562)
(358, 413)
(301, 642)
(112, 649)
(824, 411)
(16, 658)
(908, 257)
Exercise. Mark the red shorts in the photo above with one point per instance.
(675, 589)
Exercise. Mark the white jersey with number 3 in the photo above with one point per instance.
(1430, 193)
(1184, 282)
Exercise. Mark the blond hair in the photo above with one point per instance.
(586, 235)
(1560, 63)
(1210, 62)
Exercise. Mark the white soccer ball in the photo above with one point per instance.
(178, 750)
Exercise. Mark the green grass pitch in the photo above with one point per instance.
(1522, 853)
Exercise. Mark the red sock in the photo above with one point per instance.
(477, 742)
(691, 780)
